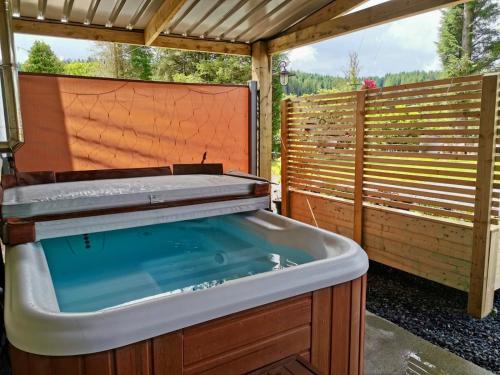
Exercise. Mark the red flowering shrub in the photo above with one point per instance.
(369, 84)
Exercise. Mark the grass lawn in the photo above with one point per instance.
(276, 170)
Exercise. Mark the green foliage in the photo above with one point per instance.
(172, 65)
(225, 69)
(124, 61)
(310, 83)
(483, 32)
(169, 63)
(141, 64)
(81, 68)
(42, 59)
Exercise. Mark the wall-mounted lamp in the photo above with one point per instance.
(284, 73)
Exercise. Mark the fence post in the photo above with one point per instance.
(481, 288)
(285, 204)
(358, 167)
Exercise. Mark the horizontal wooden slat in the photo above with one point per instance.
(317, 167)
(423, 116)
(215, 338)
(424, 124)
(375, 139)
(418, 208)
(328, 96)
(422, 185)
(413, 199)
(386, 93)
(458, 132)
(402, 154)
(420, 192)
(428, 162)
(421, 171)
(426, 108)
(299, 158)
(407, 177)
(319, 188)
(423, 100)
(448, 82)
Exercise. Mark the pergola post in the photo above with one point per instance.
(9, 95)
(483, 262)
(262, 73)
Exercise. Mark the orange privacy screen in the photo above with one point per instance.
(80, 124)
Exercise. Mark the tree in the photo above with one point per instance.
(124, 61)
(183, 66)
(141, 62)
(469, 40)
(81, 68)
(41, 59)
(351, 72)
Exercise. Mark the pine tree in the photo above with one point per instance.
(469, 40)
(141, 63)
(42, 59)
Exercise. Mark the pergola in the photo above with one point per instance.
(256, 28)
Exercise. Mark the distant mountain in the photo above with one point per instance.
(312, 83)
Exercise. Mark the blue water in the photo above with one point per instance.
(99, 270)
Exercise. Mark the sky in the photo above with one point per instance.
(403, 45)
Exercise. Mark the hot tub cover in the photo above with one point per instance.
(66, 197)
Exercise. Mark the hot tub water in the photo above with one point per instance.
(99, 270)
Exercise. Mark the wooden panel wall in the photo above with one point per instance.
(77, 123)
(325, 327)
(497, 277)
(423, 153)
(434, 249)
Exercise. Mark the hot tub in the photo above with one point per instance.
(224, 294)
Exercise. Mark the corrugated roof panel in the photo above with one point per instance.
(233, 29)
(286, 17)
(238, 20)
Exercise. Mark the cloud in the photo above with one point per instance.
(418, 33)
(434, 64)
(301, 58)
(402, 45)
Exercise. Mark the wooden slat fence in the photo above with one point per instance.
(412, 149)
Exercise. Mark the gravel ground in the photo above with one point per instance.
(435, 313)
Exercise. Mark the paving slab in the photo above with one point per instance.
(389, 349)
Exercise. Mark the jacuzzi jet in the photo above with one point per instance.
(221, 258)
(86, 239)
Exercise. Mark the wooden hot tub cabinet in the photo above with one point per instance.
(326, 327)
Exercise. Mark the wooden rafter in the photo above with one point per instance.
(334, 9)
(124, 36)
(168, 9)
(389, 11)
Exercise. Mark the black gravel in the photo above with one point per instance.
(436, 313)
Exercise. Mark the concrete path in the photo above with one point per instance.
(389, 349)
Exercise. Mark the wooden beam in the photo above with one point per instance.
(386, 12)
(261, 72)
(102, 34)
(359, 167)
(285, 203)
(483, 262)
(160, 19)
(334, 9)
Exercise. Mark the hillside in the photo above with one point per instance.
(310, 83)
